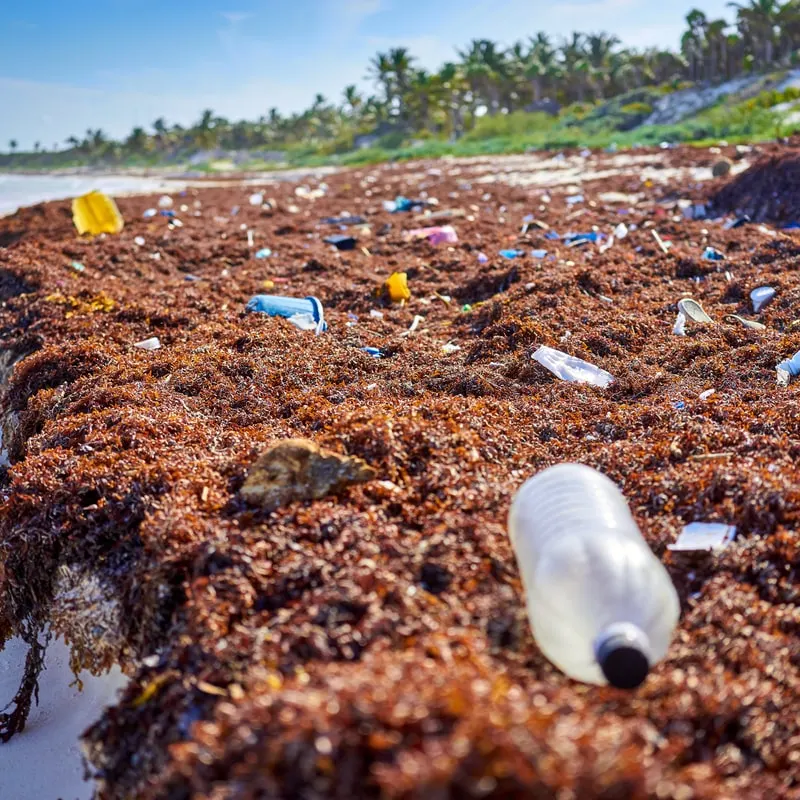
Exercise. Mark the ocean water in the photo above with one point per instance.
(25, 190)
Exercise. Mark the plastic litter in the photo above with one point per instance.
(712, 254)
(149, 213)
(664, 245)
(580, 238)
(539, 253)
(77, 266)
(256, 199)
(401, 203)
(601, 606)
(375, 314)
(347, 220)
(341, 242)
(149, 344)
(736, 223)
(679, 328)
(761, 296)
(691, 309)
(704, 536)
(572, 199)
(450, 348)
(748, 323)
(512, 253)
(264, 252)
(483, 258)
(396, 287)
(95, 213)
(375, 352)
(287, 307)
(165, 201)
(444, 234)
(571, 368)
(166, 212)
(621, 231)
(552, 236)
(706, 394)
(788, 369)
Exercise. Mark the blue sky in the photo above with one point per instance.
(66, 65)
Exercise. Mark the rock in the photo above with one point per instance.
(721, 168)
(298, 469)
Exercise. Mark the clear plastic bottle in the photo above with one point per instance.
(601, 606)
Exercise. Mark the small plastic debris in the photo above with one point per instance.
(298, 469)
(706, 394)
(167, 212)
(679, 328)
(341, 242)
(305, 322)
(466, 308)
(539, 253)
(287, 307)
(483, 258)
(375, 314)
(712, 254)
(139, 240)
(250, 237)
(444, 234)
(375, 352)
(621, 231)
(694, 311)
(704, 536)
(415, 323)
(679, 405)
(149, 213)
(165, 201)
(552, 236)
(572, 199)
(664, 245)
(788, 369)
(264, 252)
(748, 323)
(571, 368)
(95, 213)
(401, 203)
(736, 223)
(695, 211)
(396, 287)
(149, 344)
(77, 266)
(450, 347)
(761, 296)
(581, 238)
(345, 220)
(256, 199)
(512, 253)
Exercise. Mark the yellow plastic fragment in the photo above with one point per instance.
(96, 213)
(397, 287)
(150, 690)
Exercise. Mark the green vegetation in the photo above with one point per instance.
(583, 91)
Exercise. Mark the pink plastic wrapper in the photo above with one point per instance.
(444, 234)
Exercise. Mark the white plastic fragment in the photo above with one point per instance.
(761, 296)
(679, 328)
(138, 240)
(621, 231)
(149, 344)
(375, 314)
(450, 348)
(706, 394)
(256, 199)
(250, 240)
(571, 368)
(704, 536)
(306, 322)
(165, 201)
(691, 309)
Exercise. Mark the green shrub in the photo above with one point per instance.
(637, 109)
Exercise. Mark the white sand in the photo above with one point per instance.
(44, 761)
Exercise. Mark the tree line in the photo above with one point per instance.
(486, 78)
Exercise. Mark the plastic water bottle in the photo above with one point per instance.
(602, 607)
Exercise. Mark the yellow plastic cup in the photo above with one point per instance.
(397, 287)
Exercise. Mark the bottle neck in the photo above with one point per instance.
(622, 651)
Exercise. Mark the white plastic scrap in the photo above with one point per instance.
(375, 314)
(572, 369)
(256, 199)
(306, 322)
(691, 309)
(153, 343)
(679, 328)
(250, 240)
(761, 296)
(165, 201)
(706, 394)
(621, 231)
(450, 348)
(704, 536)
(138, 240)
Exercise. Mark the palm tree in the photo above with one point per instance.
(599, 49)
(717, 45)
(136, 141)
(576, 66)
(757, 22)
(381, 71)
(484, 68)
(12, 145)
(541, 65)
(353, 100)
